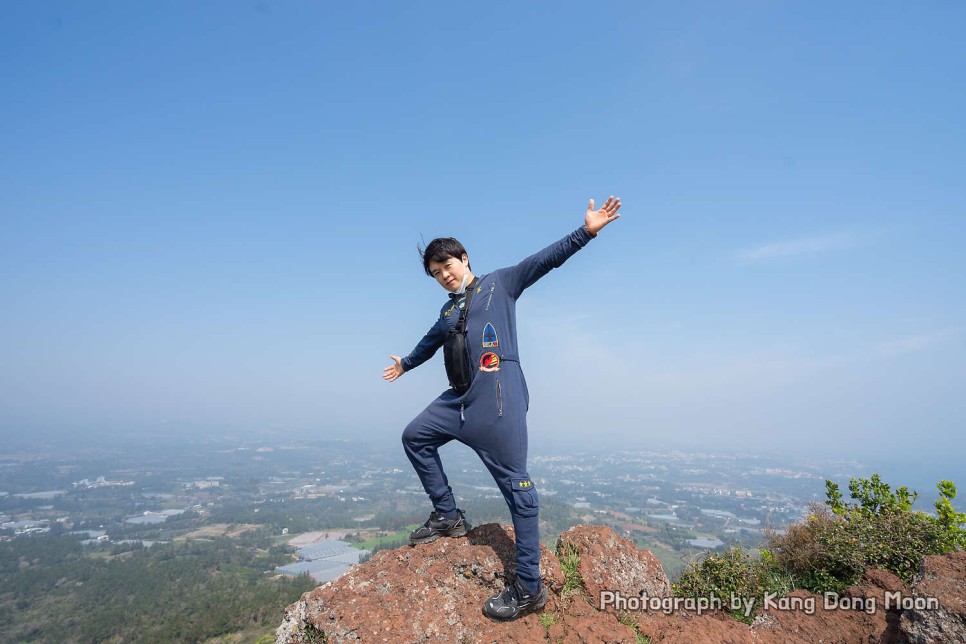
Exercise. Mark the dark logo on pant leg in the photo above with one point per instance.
(489, 361)
(490, 341)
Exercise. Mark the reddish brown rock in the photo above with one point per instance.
(429, 593)
(939, 595)
(575, 620)
(612, 563)
(803, 617)
(434, 593)
(884, 581)
(688, 628)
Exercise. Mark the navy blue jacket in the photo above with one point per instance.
(491, 320)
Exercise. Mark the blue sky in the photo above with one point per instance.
(211, 211)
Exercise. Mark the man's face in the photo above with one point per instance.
(450, 273)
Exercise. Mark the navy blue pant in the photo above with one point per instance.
(493, 423)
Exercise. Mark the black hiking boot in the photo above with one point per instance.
(514, 600)
(437, 526)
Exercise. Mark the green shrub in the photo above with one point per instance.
(819, 552)
(830, 550)
(873, 495)
(949, 519)
(569, 560)
(733, 573)
(719, 575)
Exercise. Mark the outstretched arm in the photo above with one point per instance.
(520, 277)
(425, 350)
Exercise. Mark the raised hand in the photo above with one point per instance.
(594, 220)
(394, 370)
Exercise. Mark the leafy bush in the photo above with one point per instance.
(818, 552)
(949, 519)
(733, 573)
(830, 550)
(719, 575)
(832, 547)
(873, 495)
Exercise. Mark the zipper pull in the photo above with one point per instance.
(462, 418)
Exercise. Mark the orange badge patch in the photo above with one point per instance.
(489, 361)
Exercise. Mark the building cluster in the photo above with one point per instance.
(100, 481)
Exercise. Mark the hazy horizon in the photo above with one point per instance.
(916, 470)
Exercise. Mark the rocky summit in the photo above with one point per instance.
(434, 593)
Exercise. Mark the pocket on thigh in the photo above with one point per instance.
(525, 499)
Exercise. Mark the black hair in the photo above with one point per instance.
(441, 249)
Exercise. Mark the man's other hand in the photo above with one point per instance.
(394, 370)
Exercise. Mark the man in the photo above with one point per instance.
(490, 416)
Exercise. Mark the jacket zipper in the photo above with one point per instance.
(499, 397)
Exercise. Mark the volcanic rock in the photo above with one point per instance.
(434, 593)
(938, 598)
(612, 563)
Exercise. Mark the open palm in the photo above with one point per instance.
(594, 220)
